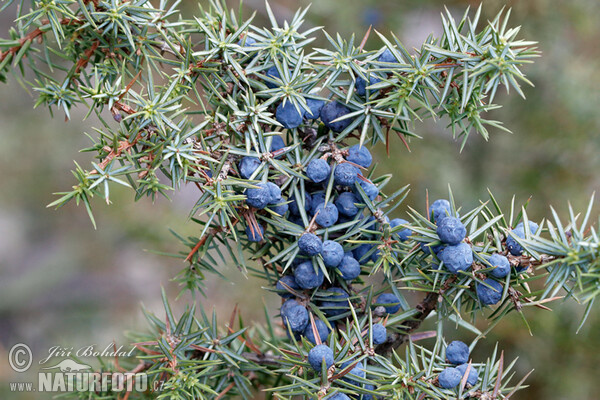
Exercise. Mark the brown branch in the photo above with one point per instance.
(424, 308)
(31, 36)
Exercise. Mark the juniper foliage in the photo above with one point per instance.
(182, 101)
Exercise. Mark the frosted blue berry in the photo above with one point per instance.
(338, 396)
(277, 143)
(246, 41)
(259, 196)
(318, 170)
(361, 84)
(248, 165)
(294, 316)
(370, 189)
(335, 303)
(427, 248)
(457, 352)
(449, 378)
(315, 107)
(473, 374)
(404, 233)
(360, 155)
(357, 371)
(294, 210)
(387, 56)
(255, 235)
(332, 253)
(316, 200)
(280, 209)
(307, 277)
(349, 268)
(322, 330)
(345, 174)
(500, 264)
(332, 111)
(457, 258)
(310, 244)
(346, 204)
(389, 301)
(288, 116)
(379, 333)
(360, 252)
(451, 231)
(440, 209)
(274, 193)
(320, 354)
(489, 295)
(326, 214)
(289, 281)
(367, 396)
(272, 73)
(512, 245)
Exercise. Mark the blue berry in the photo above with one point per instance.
(533, 227)
(316, 200)
(274, 193)
(457, 352)
(259, 196)
(307, 277)
(349, 268)
(360, 252)
(501, 264)
(338, 396)
(449, 378)
(294, 210)
(336, 303)
(346, 204)
(332, 253)
(360, 155)
(296, 219)
(277, 143)
(357, 371)
(404, 233)
(379, 333)
(473, 374)
(387, 56)
(315, 107)
(288, 116)
(318, 170)
(310, 244)
(246, 41)
(451, 231)
(512, 245)
(319, 354)
(254, 235)
(289, 281)
(457, 258)
(280, 209)
(322, 330)
(326, 214)
(361, 84)
(390, 301)
(489, 296)
(272, 73)
(428, 249)
(370, 189)
(345, 174)
(248, 165)
(332, 111)
(440, 209)
(367, 396)
(294, 316)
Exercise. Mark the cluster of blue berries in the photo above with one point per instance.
(458, 256)
(457, 353)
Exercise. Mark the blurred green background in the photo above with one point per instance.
(64, 283)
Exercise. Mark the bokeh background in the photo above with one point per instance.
(64, 283)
